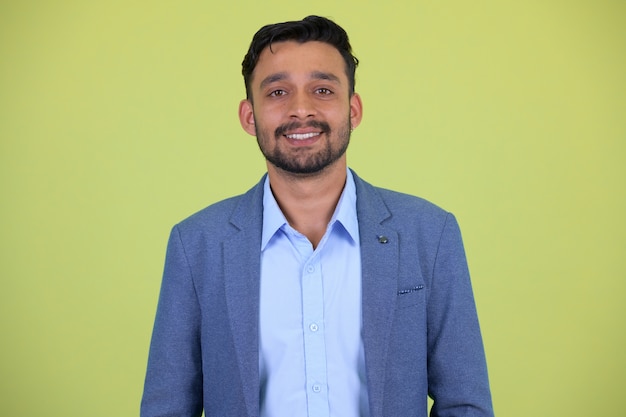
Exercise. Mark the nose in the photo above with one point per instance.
(302, 105)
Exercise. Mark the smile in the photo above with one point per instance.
(302, 136)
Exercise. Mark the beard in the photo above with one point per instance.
(303, 160)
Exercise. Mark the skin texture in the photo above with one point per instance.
(302, 89)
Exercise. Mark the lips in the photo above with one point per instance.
(302, 131)
(303, 136)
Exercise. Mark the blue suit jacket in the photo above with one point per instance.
(420, 328)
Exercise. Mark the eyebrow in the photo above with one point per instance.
(316, 75)
(279, 76)
(319, 75)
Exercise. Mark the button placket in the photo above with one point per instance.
(314, 342)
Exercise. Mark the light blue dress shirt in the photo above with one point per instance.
(311, 359)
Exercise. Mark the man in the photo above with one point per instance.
(315, 293)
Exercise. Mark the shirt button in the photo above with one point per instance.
(310, 269)
(316, 388)
(313, 327)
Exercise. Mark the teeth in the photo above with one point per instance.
(302, 136)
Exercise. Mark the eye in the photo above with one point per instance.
(277, 93)
(323, 91)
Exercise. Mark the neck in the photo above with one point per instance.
(309, 201)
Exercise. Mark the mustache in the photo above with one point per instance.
(282, 129)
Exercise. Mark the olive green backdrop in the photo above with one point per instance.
(119, 118)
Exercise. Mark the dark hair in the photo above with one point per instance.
(311, 28)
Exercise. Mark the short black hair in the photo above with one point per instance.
(311, 28)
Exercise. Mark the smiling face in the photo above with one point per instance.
(301, 110)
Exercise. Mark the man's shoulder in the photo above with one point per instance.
(410, 212)
(419, 222)
(401, 200)
(227, 212)
(219, 210)
(399, 203)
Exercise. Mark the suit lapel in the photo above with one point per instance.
(379, 264)
(241, 276)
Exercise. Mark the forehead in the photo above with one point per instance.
(294, 58)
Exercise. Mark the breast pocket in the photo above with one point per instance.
(410, 296)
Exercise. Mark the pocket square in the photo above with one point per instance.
(410, 290)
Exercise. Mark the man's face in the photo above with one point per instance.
(300, 108)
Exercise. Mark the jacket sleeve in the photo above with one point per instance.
(173, 385)
(457, 369)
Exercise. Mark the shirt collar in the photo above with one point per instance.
(345, 212)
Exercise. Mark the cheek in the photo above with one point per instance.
(268, 117)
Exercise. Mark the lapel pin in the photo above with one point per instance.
(383, 239)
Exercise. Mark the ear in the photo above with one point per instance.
(246, 117)
(356, 110)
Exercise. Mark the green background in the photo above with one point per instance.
(119, 118)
